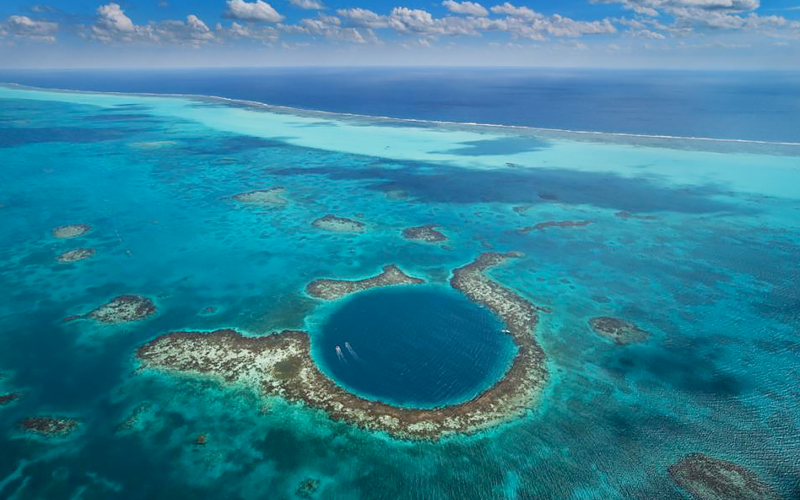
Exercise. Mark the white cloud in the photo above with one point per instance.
(308, 4)
(653, 20)
(42, 9)
(556, 26)
(653, 25)
(702, 21)
(114, 26)
(713, 45)
(112, 17)
(416, 20)
(524, 23)
(405, 20)
(252, 11)
(25, 28)
(645, 33)
(655, 7)
(365, 18)
(193, 31)
(687, 18)
(265, 34)
(237, 30)
(514, 11)
(331, 28)
(469, 8)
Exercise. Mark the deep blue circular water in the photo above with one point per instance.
(414, 346)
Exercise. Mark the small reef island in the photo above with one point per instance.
(265, 197)
(6, 399)
(707, 478)
(71, 231)
(338, 224)
(49, 427)
(425, 234)
(280, 364)
(617, 330)
(122, 309)
(555, 223)
(76, 255)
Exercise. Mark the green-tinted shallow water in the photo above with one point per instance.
(711, 273)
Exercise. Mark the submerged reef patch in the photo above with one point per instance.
(281, 364)
(331, 289)
(18, 136)
(396, 195)
(707, 478)
(521, 209)
(208, 311)
(76, 255)
(627, 215)
(71, 230)
(6, 399)
(518, 186)
(426, 234)
(337, 224)
(270, 196)
(120, 309)
(136, 420)
(499, 146)
(153, 144)
(553, 223)
(49, 426)
(307, 488)
(618, 330)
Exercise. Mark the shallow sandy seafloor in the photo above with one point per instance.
(215, 394)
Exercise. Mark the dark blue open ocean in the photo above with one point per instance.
(733, 105)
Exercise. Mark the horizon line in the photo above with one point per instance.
(408, 66)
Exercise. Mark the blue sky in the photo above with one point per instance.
(704, 34)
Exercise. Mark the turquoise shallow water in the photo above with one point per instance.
(712, 274)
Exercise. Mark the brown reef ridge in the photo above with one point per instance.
(425, 234)
(618, 330)
(554, 223)
(122, 309)
(331, 289)
(707, 478)
(49, 426)
(71, 230)
(337, 224)
(280, 364)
